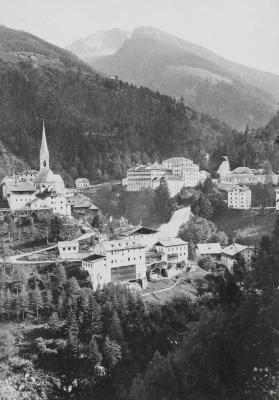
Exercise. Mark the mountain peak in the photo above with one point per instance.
(100, 43)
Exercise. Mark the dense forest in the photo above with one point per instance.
(60, 340)
(96, 127)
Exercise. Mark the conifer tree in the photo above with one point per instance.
(24, 301)
(115, 331)
(95, 356)
(111, 353)
(37, 300)
(48, 300)
(2, 304)
(8, 302)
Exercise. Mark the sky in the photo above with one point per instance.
(244, 31)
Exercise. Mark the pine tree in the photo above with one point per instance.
(111, 353)
(48, 300)
(37, 300)
(24, 301)
(73, 290)
(115, 331)
(3, 278)
(8, 302)
(96, 318)
(2, 304)
(95, 356)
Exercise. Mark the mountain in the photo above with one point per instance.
(96, 127)
(101, 43)
(208, 83)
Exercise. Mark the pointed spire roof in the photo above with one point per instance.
(44, 147)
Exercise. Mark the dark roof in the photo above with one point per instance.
(93, 257)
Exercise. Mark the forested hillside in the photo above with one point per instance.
(96, 127)
(209, 83)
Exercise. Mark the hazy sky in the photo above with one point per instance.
(245, 31)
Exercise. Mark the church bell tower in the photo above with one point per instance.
(44, 154)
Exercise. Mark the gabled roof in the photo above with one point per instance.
(137, 230)
(22, 187)
(171, 242)
(82, 180)
(178, 159)
(242, 170)
(209, 248)
(48, 177)
(234, 249)
(68, 243)
(113, 245)
(93, 257)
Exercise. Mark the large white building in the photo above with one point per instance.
(277, 198)
(177, 172)
(247, 176)
(57, 202)
(116, 261)
(230, 253)
(183, 168)
(28, 175)
(46, 179)
(145, 177)
(239, 198)
(82, 183)
(172, 250)
(146, 237)
(68, 249)
(19, 195)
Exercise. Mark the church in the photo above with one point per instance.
(46, 179)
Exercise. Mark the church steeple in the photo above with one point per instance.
(44, 154)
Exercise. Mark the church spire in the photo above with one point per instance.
(44, 154)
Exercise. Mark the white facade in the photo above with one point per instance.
(27, 176)
(230, 253)
(277, 198)
(172, 250)
(247, 176)
(185, 168)
(82, 183)
(239, 198)
(141, 235)
(19, 195)
(57, 202)
(145, 177)
(119, 261)
(67, 249)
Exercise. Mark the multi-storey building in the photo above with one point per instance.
(145, 177)
(82, 183)
(230, 254)
(247, 176)
(172, 250)
(239, 197)
(27, 176)
(57, 202)
(116, 261)
(19, 195)
(184, 168)
(277, 198)
(68, 249)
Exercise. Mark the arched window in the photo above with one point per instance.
(44, 163)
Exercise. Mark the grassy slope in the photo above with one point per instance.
(246, 228)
